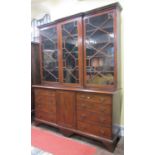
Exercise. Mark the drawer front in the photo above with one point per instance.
(44, 92)
(45, 103)
(94, 106)
(98, 98)
(46, 116)
(45, 100)
(95, 130)
(94, 118)
(45, 108)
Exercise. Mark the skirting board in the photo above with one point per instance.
(121, 133)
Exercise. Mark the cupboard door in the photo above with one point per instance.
(66, 108)
(99, 49)
(71, 44)
(49, 54)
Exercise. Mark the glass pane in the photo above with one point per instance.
(70, 53)
(100, 49)
(50, 54)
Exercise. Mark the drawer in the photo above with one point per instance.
(46, 116)
(94, 129)
(43, 99)
(94, 118)
(47, 107)
(44, 92)
(45, 103)
(100, 98)
(94, 106)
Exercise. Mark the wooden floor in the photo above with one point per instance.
(119, 150)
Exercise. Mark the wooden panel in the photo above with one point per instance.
(106, 99)
(93, 117)
(95, 130)
(77, 89)
(46, 116)
(45, 105)
(44, 92)
(45, 100)
(35, 69)
(35, 64)
(42, 99)
(66, 108)
(94, 106)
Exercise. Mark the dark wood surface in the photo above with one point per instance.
(89, 110)
(78, 89)
(45, 105)
(66, 109)
(89, 114)
(94, 129)
(35, 70)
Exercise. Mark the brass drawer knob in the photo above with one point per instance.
(88, 97)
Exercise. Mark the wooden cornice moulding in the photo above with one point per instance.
(115, 5)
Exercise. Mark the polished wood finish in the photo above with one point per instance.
(100, 91)
(35, 63)
(45, 105)
(89, 114)
(91, 110)
(95, 130)
(35, 70)
(66, 100)
(94, 117)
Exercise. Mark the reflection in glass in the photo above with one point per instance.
(70, 53)
(50, 54)
(99, 44)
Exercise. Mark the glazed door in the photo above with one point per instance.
(71, 52)
(49, 54)
(99, 50)
(66, 109)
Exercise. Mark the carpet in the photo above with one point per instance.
(57, 144)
